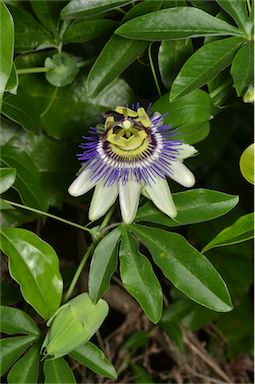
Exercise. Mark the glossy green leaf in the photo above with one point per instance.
(86, 30)
(93, 358)
(34, 265)
(103, 265)
(190, 114)
(68, 111)
(26, 370)
(14, 320)
(236, 9)
(58, 372)
(47, 13)
(29, 34)
(7, 178)
(175, 23)
(28, 182)
(7, 47)
(194, 206)
(11, 349)
(116, 56)
(82, 8)
(241, 230)
(13, 81)
(242, 68)
(171, 56)
(16, 107)
(247, 163)
(138, 277)
(204, 65)
(186, 268)
(174, 332)
(62, 69)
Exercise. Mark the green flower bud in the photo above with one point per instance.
(73, 324)
(249, 95)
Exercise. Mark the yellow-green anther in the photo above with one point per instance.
(73, 324)
(143, 117)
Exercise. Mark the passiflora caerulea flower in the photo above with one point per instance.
(131, 153)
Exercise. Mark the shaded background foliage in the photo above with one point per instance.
(72, 61)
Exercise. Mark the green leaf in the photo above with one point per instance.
(11, 349)
(7, 178)
(28, 182)
(58, 372)
(103, 265)
(86, 30)
(68, 111)
(140, 375)
(14, 320)
(236, 9)
(21, 108)
(204, 65)
(190, 114)
(247, 163)
(175, 23)
(93, 358)
(81, 8)
(29, 34)
(171, 56)
(26, 370)
(137, 340)
(116, 56)
(13, 81)
(143, 8)
(194, 206)
(34, 265)
(174, 332)
(241, 230)
(138, 277)
(62, 69)
(242, 68)
(7, 47)
(47, 13)
(186, 268)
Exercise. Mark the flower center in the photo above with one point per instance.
(127, 135)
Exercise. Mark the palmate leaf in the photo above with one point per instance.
(185, 267)
(175, 23)
(204, 65)
(138, 277)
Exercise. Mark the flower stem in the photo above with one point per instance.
(153, 70)
(84, 63)
(78, 272)
(91, 231)
(24, 71)
(106, 219)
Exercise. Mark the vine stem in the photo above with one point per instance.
(153, 70)
(91, 231)
(248, 5)
(24, 71)
(78, 272)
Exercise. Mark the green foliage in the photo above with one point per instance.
(63, 65)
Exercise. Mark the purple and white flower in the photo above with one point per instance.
(131, 153)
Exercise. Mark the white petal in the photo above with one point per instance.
(82, 184)
(103, 198)
(129, 195)
(161, 196)
(186, 151)
(181, 174)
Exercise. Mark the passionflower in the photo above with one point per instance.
(131, 153)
